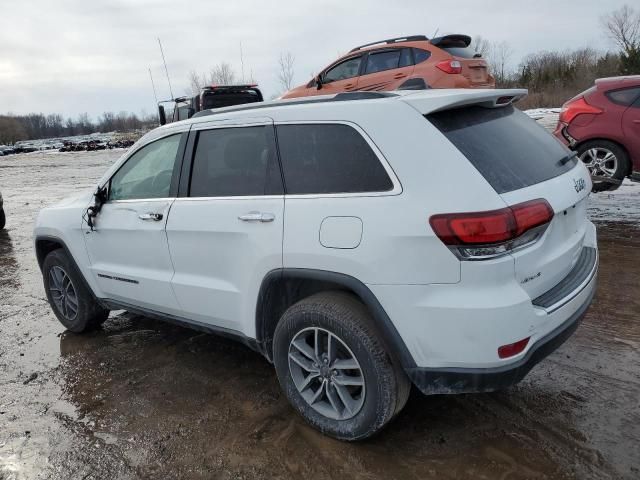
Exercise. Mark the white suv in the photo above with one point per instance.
(361, 242)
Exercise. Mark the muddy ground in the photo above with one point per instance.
(143, 399)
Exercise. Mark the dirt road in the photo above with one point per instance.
(143, 399)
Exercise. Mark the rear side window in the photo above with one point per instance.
(235, 162)
(420, 55)
(388, 60)
(507, 147)
(624, 96)
(329, 158)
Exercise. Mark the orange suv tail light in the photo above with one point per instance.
(450, 66)
(573, 108)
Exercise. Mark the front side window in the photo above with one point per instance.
(329, 158)
(235, 162)
(148, 172)
(344, 70)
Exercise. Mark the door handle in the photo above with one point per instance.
(257, 217)
(348, 85)
(399, 75)
(156, 217)
(636, 121)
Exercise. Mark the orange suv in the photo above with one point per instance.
(406, 63)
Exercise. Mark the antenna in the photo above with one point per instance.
(242, 61)
(165, 67)
(435, 33)
(155, 95)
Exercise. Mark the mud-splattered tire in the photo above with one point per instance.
(605, 160)
(71, 301)
(374, 388)
(3, 219)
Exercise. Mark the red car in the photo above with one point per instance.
(602, 124)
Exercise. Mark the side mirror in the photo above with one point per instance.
(319, 82)
(161, 115)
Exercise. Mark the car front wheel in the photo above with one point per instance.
(334, 368)
(71, 301)
(607, 162)
(3, 219)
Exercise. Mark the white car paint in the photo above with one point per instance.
(205, 265)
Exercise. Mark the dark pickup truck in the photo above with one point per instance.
(209, 97)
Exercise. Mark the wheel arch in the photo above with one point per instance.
(45, 244)
(282, 288)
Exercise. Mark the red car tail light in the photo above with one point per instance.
(450, 66)
(573, 108)
(482, 235)
(506, 351)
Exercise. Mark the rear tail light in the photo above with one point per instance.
(506, 351)
(450, 66)
(578, 106)
(482, 235)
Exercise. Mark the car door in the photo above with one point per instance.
(386, 69)
(342, 77)
(225, 229)
(631, 126)
(128, 248)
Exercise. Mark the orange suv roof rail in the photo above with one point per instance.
(411, 38)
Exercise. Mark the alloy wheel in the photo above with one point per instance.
(63, 293)
(600, 161)
(326, 373)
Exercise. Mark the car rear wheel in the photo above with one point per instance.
(71, 301)
(607, 162)
(334, 368)
(3, 219)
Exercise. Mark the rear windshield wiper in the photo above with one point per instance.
(567, 158)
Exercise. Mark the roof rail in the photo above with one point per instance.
(411, 38)
(340, 97)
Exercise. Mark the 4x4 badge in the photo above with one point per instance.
(579, 184)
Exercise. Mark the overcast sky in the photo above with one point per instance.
(74, 56)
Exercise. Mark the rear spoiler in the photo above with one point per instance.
(451, 41)
(430, 101)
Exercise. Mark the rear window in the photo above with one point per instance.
(507, 147)
(329, 158)
(461, 52)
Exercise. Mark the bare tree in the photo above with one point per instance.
(499, 57)
(196, 82)
(623, 26)
(481, 45)
(285, 74)
(222, 74)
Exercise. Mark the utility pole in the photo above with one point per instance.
(241, 62)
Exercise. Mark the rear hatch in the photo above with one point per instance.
(474, 67)
(522, 162)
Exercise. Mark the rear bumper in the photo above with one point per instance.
(467, 380)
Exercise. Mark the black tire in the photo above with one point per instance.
(88, 313)
(386, 386)
(3, 219)
(609, 181)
